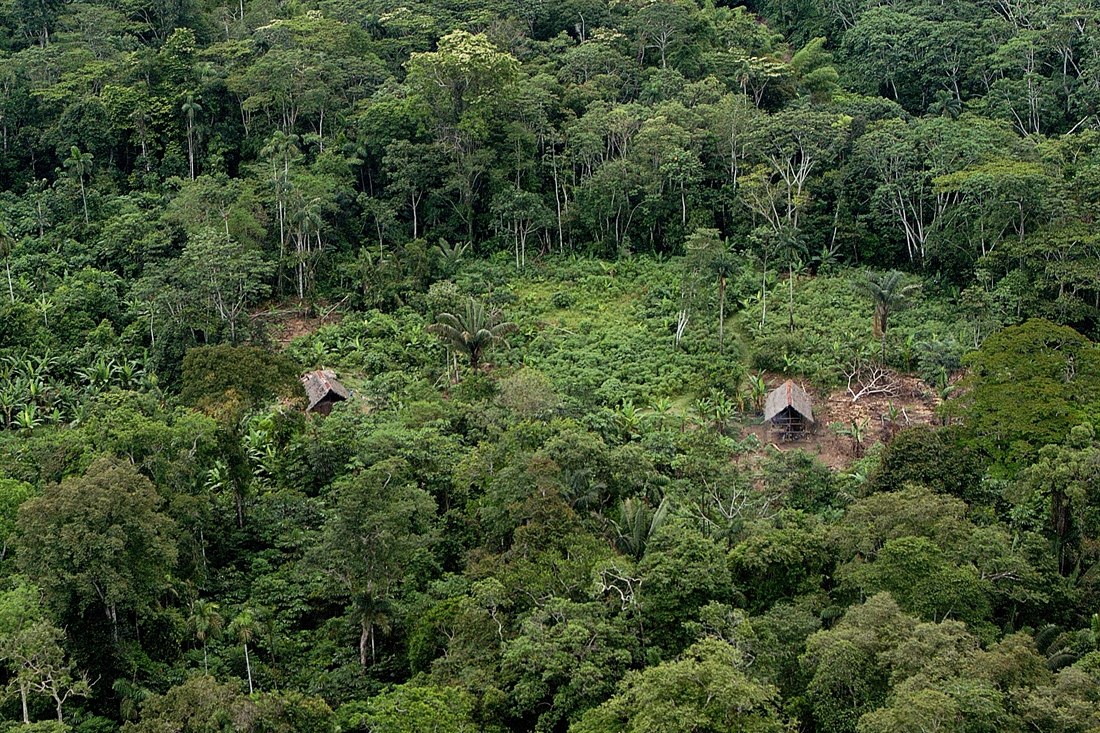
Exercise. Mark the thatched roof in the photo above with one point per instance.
(787, 395)
(320, 384)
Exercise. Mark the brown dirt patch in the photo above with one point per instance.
(288, 321)
(915, 401)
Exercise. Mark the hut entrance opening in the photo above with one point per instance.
(790, 423)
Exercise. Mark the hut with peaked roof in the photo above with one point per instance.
(323, 390)
(788, 408)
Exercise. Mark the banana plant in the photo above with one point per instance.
(661, 411)
(722, 410)
(857, 432)
(262, 454)
(630, 418)
(318, 351)
(78, 412)
(355, 345)
(28, 418)
(10, 402)
(30, 366)
(758, 388)
(35, 391)
(908, 349)
(891, 419)
(99, 374)
(43, 364)
(700, 412)
(130, 374)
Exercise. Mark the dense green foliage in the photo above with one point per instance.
(558, 252)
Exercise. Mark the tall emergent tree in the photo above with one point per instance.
(205, 621)
(245, 627)
(190, 109)
(30, 648)
(79, 164)
(99, 542)
(381, 532)
(713, 256)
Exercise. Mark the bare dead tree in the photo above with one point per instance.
(870, 378)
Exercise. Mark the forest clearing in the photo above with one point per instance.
(587, 366)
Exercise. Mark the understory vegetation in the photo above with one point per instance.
(559, 254)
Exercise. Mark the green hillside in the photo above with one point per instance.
(647, 366)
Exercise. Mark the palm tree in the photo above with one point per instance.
(450, 256)
(79, 163)
(307, 221)
(190, 108)
(708, 253)
(130, 695)
(45, 305)
(281, 150)
(205, 621)
(245, 627)
(472, 332)
(791, 248)
(723, 265)
(946, 104)
(888, 294)
(638, 524)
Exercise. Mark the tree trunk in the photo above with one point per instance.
(880, 326)
(238, 499)
(280, 211)
(790, 310)
(879, 322)
(191, 150)
(557, 204)
(721, 314)
(248, 668)
(764, 295)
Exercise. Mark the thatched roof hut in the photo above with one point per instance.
(323, 390)
(788, 407)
